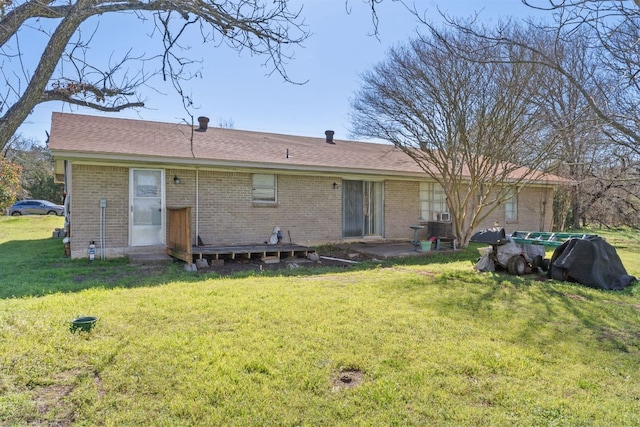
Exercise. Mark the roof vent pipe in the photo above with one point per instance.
(204, 124)
(329, 134)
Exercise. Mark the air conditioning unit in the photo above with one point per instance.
(444, 217)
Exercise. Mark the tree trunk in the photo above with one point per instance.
(19, 111)
(575, 208)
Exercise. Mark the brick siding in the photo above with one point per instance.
(308, 208)
(401, 208)
(535, 212)
(89, 185)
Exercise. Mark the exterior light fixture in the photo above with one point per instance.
(176, 180)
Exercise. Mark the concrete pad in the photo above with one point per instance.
(150, 259)
(384, 250)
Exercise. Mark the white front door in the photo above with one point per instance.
(146, 195)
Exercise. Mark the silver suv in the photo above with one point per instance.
(35, 207)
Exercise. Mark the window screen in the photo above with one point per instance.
(511, 206)
(432, 201)
(264, 188)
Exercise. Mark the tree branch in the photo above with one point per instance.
(264, 27)
(57, 95)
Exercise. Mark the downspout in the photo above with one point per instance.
(203, 126)
(197, 204)
(67, 208)
(103, 228)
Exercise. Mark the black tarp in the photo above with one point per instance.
(491, 236)
(591, 262)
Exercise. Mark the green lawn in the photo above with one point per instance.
(427, 341)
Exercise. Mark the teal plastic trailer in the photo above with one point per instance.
(546, 238)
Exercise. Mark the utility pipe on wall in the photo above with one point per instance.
(195, 238)
(103, 227)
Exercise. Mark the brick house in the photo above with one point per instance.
(121, 175)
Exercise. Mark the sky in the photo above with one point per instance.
(235, 88)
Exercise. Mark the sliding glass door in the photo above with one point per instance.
(362, 209)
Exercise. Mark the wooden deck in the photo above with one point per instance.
(179, 243)
(250, 251)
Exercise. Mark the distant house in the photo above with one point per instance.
(121, 176)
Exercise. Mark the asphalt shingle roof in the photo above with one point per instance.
(75, 133)
(77, 136)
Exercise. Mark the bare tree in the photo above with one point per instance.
(63, 71)
(611, 30)
(227, 123)
(607, 117)
(582, 144)
(611, 197)
(471, 125)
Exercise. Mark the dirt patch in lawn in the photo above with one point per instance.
(328, 257)
(51, 400)
(347, 378)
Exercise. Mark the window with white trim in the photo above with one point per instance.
(432, 201)
(511, 206)
(264, 188)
